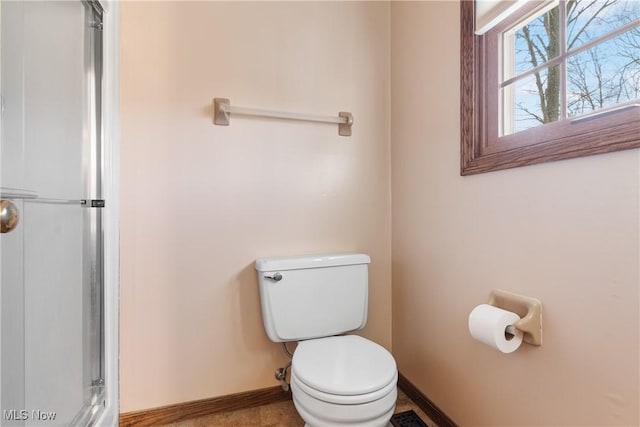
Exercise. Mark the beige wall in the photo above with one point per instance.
(201, 202)
(564, 232)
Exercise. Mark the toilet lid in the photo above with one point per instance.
(346, 365)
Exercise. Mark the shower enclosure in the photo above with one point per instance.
(52, 287)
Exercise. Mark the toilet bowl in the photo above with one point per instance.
(336, 380)
(343, 381)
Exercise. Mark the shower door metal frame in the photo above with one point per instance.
(93, 232)
(108, 225)
(111, 218)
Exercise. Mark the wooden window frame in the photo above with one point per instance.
(542, 144)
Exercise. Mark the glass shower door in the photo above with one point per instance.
(51, 278)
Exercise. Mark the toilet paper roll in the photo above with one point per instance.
(488, 324)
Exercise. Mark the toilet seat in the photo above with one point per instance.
(338, 399)
(344, 368)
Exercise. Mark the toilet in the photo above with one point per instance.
(336, 379)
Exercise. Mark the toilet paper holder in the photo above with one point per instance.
(529, 309)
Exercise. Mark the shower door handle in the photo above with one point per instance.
(9, 216)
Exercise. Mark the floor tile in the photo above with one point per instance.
(280, 414)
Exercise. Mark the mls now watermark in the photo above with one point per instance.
(24, 415)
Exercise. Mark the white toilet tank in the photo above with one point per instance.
(313, 296)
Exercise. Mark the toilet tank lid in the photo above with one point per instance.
(310, 261)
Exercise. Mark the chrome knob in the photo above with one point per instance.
(8, 216)
(275, 277)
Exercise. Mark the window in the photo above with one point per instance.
(554, 80)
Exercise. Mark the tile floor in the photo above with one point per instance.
(277, 414)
